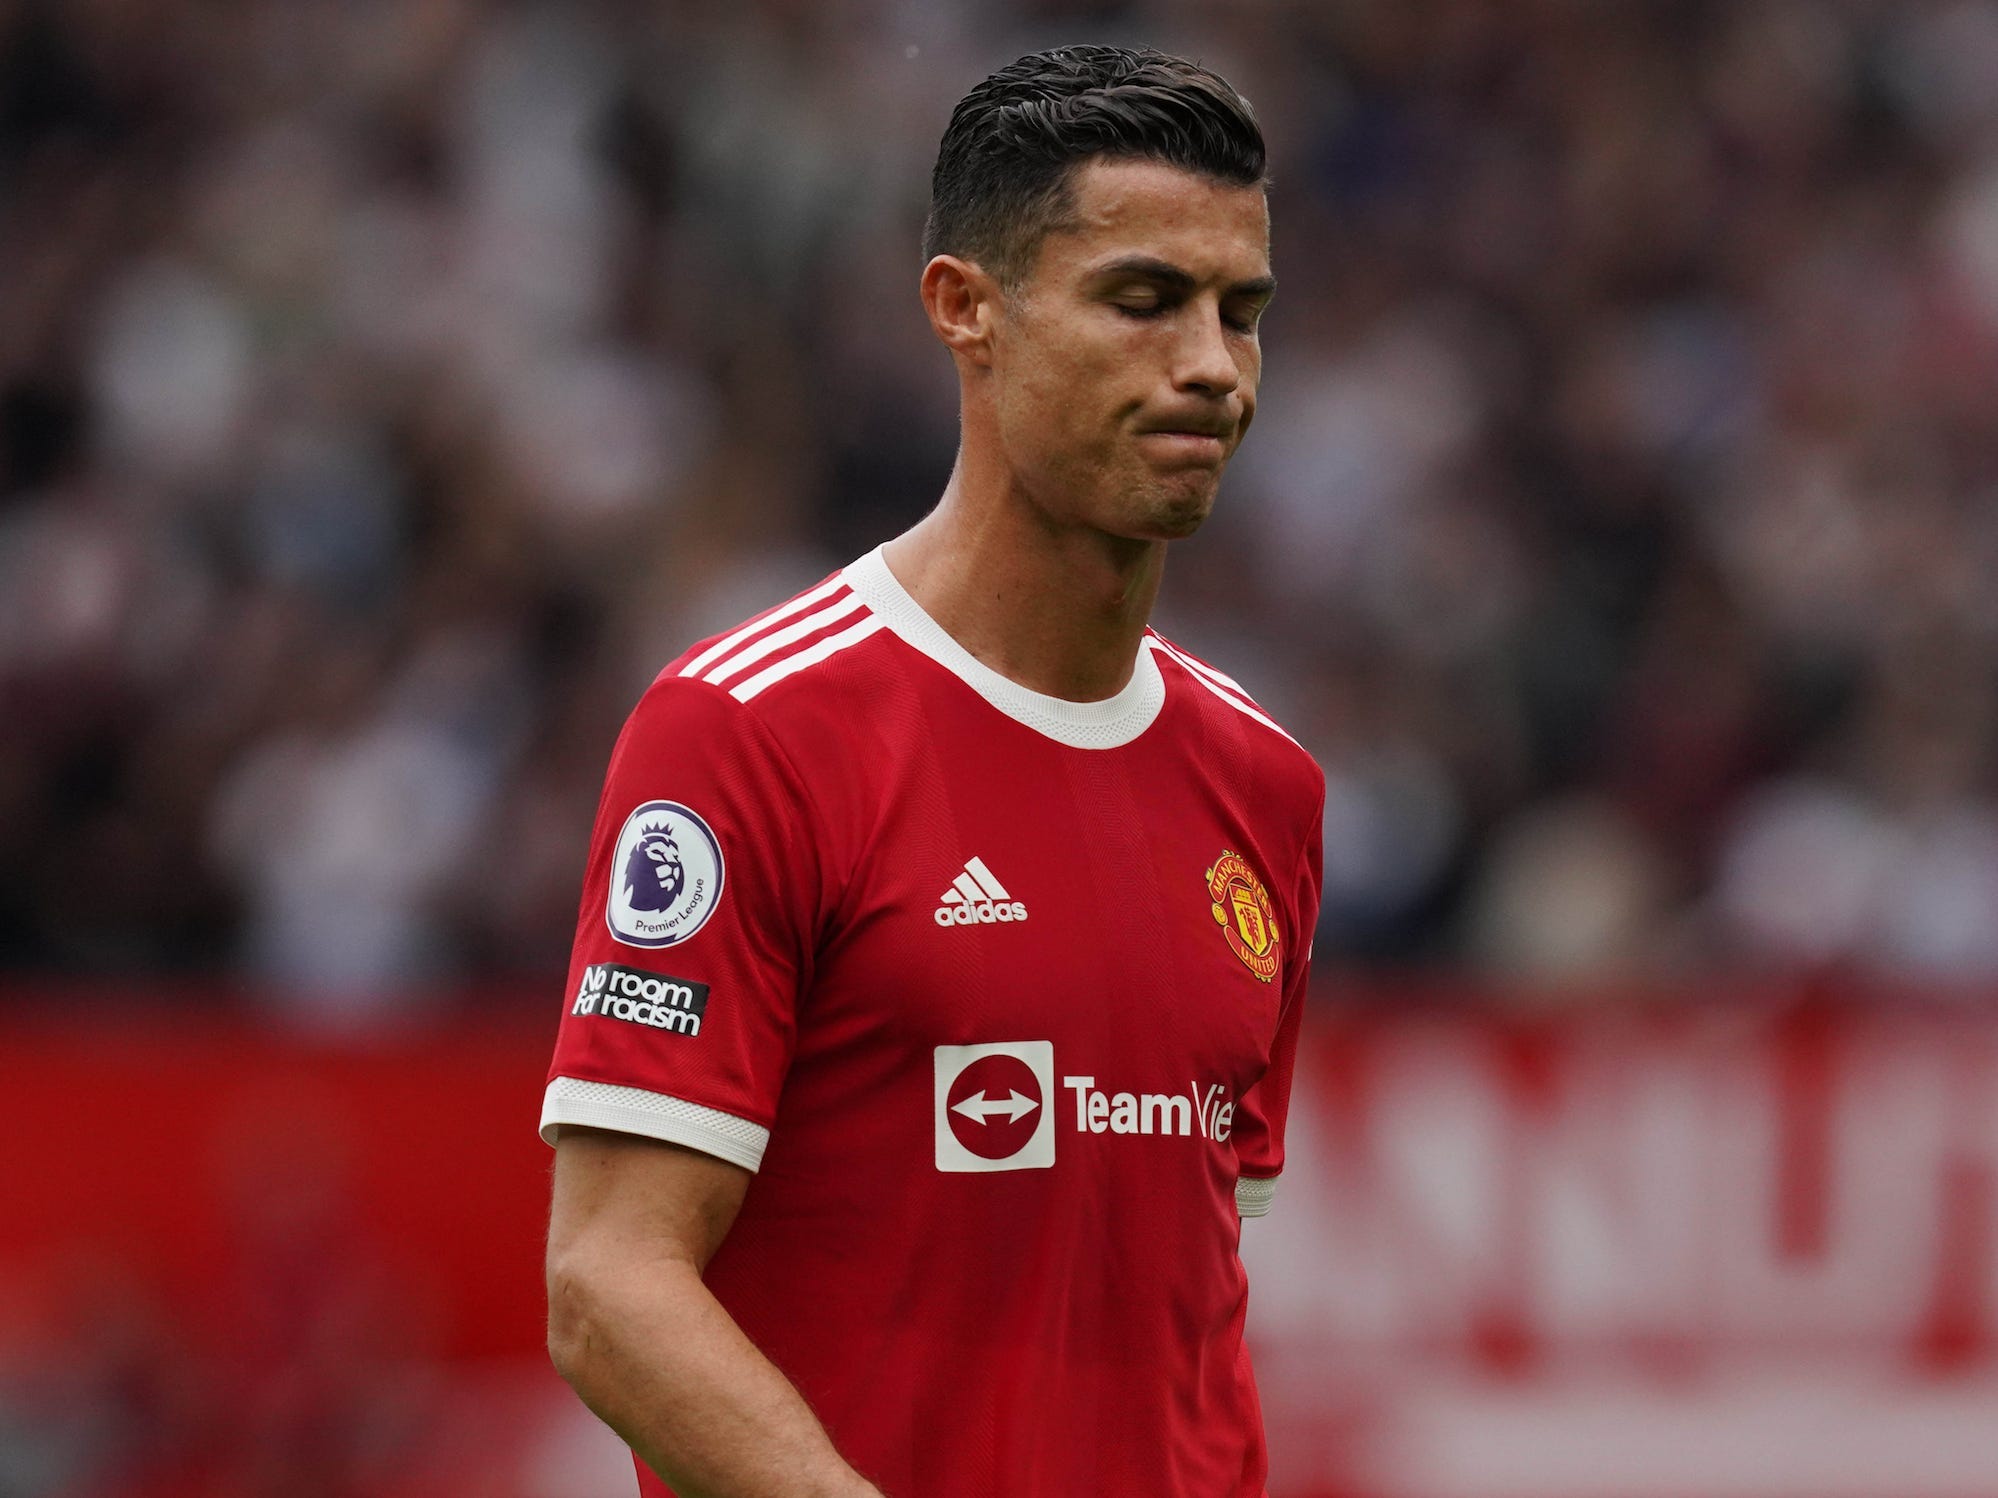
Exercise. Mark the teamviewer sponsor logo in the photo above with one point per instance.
(1208, 1108)
(995, 1106)
(613, 991)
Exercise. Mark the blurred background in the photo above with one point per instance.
(389, 387)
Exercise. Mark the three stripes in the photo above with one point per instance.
(974, 886)
(1226, 688)
(733, 654)
(833, 602)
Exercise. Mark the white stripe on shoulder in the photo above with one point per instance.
(811, 655)
(1239, 704)
(776, 640)
(1219, 678)
(722, 647)
(1206, 672)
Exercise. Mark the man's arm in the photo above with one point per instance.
(636, 1333)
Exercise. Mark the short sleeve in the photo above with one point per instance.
(1265, 1108)
(695, 933)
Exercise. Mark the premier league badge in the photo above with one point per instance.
(665, 878)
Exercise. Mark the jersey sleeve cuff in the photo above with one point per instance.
(1253, 1195)
(633, 1110)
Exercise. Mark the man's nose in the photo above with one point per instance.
(1206, 363)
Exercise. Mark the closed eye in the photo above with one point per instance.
(1244, 313)
(1239, 320)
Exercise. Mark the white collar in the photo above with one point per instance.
(1107, 724)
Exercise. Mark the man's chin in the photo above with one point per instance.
(1177, 511)
(1178, 527)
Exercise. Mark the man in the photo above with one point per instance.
(944, 934)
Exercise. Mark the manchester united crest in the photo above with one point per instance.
(1242, 909)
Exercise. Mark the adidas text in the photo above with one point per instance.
(976, 898)
(984, 913)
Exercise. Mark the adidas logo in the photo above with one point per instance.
(975, 898)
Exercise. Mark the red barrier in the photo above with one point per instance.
(233, 1260)
(179, 1149)
(1679, 1253)
(1639, 1252)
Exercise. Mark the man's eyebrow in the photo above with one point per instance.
(1171, 277)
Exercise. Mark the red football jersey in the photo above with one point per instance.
(998, 995)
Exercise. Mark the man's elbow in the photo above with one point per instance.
(574, 1319)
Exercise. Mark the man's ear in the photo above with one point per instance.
(962, 301)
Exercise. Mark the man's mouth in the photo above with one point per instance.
(1188, 442)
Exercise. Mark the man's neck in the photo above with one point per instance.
(1059, 610)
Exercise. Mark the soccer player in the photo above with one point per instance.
(943, 940)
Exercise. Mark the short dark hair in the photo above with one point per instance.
(1004, 168)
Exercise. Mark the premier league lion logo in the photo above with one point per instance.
(654, 874)
(666, 875)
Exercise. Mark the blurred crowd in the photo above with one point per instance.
(388, 388)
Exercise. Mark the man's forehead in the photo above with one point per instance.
(1123, 210)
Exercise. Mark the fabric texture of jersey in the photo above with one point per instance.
(998, 995)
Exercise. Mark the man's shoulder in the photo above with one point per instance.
(807, 684)
(1280, 760)
(785, 643)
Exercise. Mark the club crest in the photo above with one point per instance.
(665, 878)
(1242, 910)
